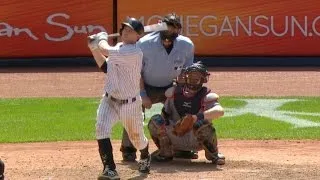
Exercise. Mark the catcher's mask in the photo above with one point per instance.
(174, 27)
(195, 76)
(134, 24)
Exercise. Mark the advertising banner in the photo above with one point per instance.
(51, 28)
(239, 28)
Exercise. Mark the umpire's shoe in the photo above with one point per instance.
(129, 157)
(109, 174)
(144, 165)
(128, 154)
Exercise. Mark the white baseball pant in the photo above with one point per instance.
(129, 114)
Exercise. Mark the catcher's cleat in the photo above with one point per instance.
(219, 160)
(186, 155)
(156, 157)
(144, 165)
(109, 174)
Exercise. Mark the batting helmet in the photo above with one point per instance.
(133, 23)
(195, 76)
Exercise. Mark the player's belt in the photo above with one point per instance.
(122, 101)
(155, 87)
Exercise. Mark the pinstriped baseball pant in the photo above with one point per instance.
(130, 115)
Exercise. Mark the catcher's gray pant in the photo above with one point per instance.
(202, 138)
(129, 114)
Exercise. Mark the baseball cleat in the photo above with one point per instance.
(144, 165)
(128, 154)
(109, 174)
(156, 157)
(186, 154)
(220, 159)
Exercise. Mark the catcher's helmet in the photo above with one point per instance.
(133, 23)
(195, 76)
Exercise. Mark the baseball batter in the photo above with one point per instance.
(121, 100)
(165, 54)
(194, 99)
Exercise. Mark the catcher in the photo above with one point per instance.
(185, 121)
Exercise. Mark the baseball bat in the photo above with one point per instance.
(147, 29)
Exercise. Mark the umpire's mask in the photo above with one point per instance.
(174, 27)
(169, 35)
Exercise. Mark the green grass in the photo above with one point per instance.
(71, 119)
(250, 126)
(53, 119)
(50, 119)
(310, 118)
(231, 103)
(307, 105)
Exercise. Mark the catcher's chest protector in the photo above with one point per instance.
(185, 105)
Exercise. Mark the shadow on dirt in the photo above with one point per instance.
(139, 177)
(177, 165)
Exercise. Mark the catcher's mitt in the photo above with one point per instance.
(183, 126)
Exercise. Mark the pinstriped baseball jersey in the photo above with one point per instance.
(122, 83)
(124, 71)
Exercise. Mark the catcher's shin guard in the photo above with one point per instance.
(206, 135)
(153, 129)
(160, 137)
(165, 147)
(106, 154)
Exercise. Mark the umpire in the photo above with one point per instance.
(165, 54)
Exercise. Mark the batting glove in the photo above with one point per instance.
(102, 36)
(93, 42)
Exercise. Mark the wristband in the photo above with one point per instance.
(143, 93)
(200, 116)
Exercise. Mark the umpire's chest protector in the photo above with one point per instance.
(189, 105)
